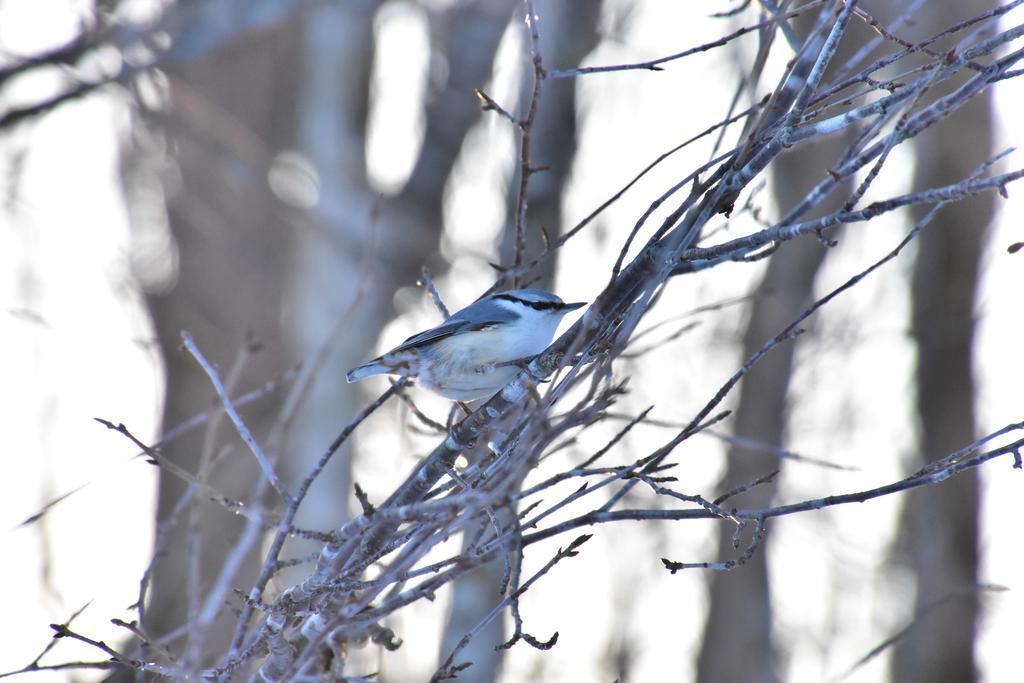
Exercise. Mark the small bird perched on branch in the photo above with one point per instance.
(473, 353)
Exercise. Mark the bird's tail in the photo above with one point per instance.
(374, 367)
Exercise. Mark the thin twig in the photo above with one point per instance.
(655, 64)
(428, 282)
(236, 419)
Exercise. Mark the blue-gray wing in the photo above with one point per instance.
(477, 316)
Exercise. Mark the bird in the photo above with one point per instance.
(473, 354)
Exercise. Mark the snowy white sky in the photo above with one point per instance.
(78, 345)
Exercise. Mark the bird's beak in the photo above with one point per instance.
(573, 306)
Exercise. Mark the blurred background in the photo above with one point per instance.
(272, 175)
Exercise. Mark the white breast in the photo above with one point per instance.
(463, 367)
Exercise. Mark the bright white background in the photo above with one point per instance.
(77, 344)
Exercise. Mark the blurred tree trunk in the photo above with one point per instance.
(939, 535)
(740, 608)
(228, 113)
(360, 248)
(243, 271)
(337, 293)
(569, 34)
(740, 613)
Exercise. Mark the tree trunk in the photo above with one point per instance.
(228, 114)
(570, 33)
(740, 614)
(335, 298)
(939, 537)
(740, 608)
(362, 247)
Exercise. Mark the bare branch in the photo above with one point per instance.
(236, 419)
(654, 64)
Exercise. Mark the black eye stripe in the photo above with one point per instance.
(535, 305)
